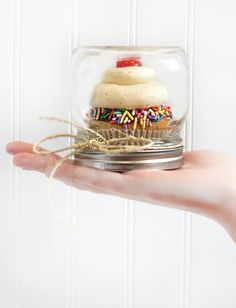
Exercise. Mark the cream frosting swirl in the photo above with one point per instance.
(129, 75)
(129, 87)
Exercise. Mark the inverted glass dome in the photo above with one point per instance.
(141, 92)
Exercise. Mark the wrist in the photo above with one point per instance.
(227, 210)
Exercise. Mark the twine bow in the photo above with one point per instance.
(87, 139)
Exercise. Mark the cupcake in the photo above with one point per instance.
(130, 99)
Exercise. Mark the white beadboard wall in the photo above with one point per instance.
(125, 254)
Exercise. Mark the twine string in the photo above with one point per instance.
(86, 139)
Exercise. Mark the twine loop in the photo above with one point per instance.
(86, 139)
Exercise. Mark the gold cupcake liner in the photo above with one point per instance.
(111, 133)
(158, 136)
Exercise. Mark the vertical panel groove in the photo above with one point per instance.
(70, 196)
(132, 24)
(69, 190)
(15, 135)
(186, 253)
(130, 207)
(72, 211)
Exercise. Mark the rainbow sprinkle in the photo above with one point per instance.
(142, 116)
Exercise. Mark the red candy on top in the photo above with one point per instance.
(132, 61)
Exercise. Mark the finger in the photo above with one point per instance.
(45, 165)
(69, 173)
(16, 147)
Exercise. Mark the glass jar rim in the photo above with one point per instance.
(131, 49)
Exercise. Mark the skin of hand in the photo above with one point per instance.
(206, 184)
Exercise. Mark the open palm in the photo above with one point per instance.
(206, 184)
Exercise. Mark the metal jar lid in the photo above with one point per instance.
(162, 159)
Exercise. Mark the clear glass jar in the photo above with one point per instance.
(140, 94)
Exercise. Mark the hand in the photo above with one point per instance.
(205, 185)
